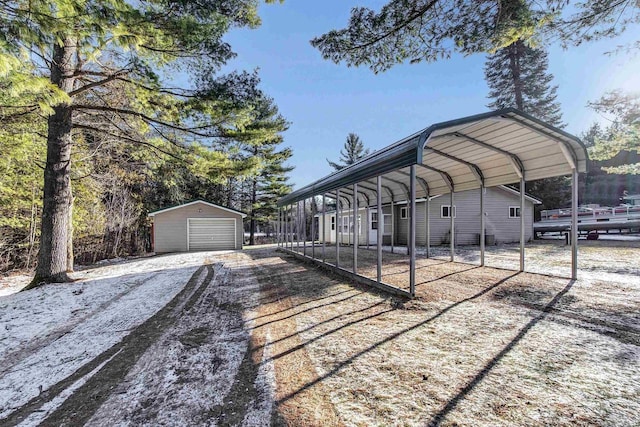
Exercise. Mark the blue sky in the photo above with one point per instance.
(325, 101)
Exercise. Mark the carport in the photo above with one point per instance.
(496, 148)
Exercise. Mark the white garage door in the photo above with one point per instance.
(211, 234)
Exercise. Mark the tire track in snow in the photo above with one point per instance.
(77, 409)
(19, 354)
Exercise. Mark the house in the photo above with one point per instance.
(502, 216)
(196, 226)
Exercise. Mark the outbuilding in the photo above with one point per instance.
(197, 226)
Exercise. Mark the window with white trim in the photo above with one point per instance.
(374, 220)
(445, 211)
(404, 212)
(386, 225)
(333, 223)
(514, 211)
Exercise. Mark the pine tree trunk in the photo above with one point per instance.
(70, 259)
(52, 258)
(514, 65)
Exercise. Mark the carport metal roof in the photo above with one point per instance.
(495, 148)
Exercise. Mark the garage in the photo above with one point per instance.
(197, 226)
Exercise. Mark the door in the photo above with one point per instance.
(211, 234)
(373, 226)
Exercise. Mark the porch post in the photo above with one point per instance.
(324, 225)
(482, 225)
(338, 227)
(380, 225)
(355, 229)
(574, 224)
(522, 226)
(412, 231)
(452, 222)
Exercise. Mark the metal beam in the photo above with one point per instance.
(400, 183)
(564, 145)
(304, 226)
(384, 187)
(380, 226)
(338, 227)
(423, 182)
(482, 226)
(452, 223)
(522, 223)
(445, 176)
(355, 229)
(574, 224)
(324, 225)
(412, 231)
(313, 228)
(515, 161)
(475, 170)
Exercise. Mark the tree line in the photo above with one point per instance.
(100, 125)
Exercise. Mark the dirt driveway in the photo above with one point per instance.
(255, 338)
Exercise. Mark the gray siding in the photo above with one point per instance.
(467, 220)
(170, 228)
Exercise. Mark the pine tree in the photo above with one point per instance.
(518, 76)
(82, 47)
(352, 151)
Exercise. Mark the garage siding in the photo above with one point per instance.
(170, 227)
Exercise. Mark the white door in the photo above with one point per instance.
(373, 226)
(211, 234)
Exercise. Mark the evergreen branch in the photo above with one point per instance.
(129, 139)
(147, 119)
(102, 82)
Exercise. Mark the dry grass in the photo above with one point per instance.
(478, 346)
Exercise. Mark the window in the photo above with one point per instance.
(345, 224)
(374, 220)
(386, 225)
(514, 211)
(445, 211)
(404, 213)
(333, 223)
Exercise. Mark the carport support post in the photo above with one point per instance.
(338, 227)
(324, 225)
(290, 227)
(368, 216)
(380, 225)
(482, 225)
(304, 227)
(427, 221)
(522, 226)
(412, 231)
(452, 222)
(393, 231)
(279, 226)
(313, 229)
(355, 229)
(574, 224)
(297, 228)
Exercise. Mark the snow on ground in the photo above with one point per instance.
(146, 341)
(46, 334)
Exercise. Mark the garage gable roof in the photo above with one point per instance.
(154, 213)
